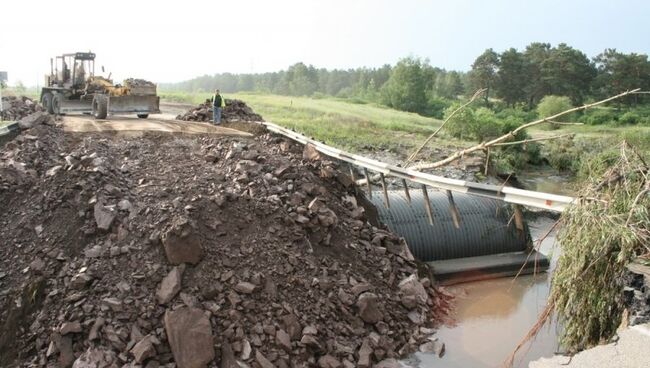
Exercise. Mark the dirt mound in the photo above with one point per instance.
(17, 107)
(196, 250)
(235, 111)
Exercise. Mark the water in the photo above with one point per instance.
(547, 180)
(491, 317)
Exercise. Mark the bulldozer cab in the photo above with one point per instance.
(71, 70)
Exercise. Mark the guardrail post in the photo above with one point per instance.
(455, 214)
(365, 172)
(406, 191)
(383, 187)
(427, 204)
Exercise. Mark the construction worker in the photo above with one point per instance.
(218, 103)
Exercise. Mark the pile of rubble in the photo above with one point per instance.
(233, 252)
(235, 111)
(17, 107)
(133, 82)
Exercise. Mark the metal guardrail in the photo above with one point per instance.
(529, 198)
(8, 128)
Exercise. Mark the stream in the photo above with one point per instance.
(491, 317)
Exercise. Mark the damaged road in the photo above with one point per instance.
(193, 251)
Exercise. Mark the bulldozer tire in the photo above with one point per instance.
(100, 107)
(56, 104)
(46, 101)
(143, 116)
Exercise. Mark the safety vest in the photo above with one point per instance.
(223, 100)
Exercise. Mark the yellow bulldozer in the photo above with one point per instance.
(72, 86)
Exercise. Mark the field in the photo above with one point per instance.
(343, 124)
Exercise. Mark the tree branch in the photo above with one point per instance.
(532, 140)
(412, 157)
(513, 133)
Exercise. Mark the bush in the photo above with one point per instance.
(436, 107)
(599, 117)
(551, 105)
(459, 125)
(486, 125)
(629, 118)
(517, 113)
(563, 155)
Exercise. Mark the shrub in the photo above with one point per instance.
(629, 118)
(458, 125)
(563, 155)
(486, 125)
(598, 117)
(436, 107)
(551, 105)
(518, 114)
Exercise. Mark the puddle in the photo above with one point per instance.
(491, 317)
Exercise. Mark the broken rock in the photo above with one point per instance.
(190, 337)
(368, 308)
(170, 285)
(182, 245)
(104, 216)
(143, 350)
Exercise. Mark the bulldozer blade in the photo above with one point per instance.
(131, 104)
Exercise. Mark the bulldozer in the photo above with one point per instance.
(73, 87)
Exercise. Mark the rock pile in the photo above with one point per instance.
(18, 107)
(196, 251)
(235, 111)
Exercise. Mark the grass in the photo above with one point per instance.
(603, 135)
(360, 127)
(337, 122)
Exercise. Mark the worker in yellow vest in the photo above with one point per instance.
(218, 103)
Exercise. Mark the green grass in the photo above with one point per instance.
(337, 122)
(637, 135)
(358, 127)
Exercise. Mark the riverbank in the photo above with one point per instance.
(630, 350)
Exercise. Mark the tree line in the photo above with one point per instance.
(518, 78)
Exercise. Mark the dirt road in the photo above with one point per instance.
(83, 123)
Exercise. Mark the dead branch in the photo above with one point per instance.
(525, 141)
(412, 157)
(561, 123)
(512, 134)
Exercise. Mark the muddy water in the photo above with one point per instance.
(547, 180)
(491, 317)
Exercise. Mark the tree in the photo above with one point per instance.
(405, 88)
(484, 71)
(301, 79)
(512, 78)
(619, 72)
(568, 72)
(536, 87)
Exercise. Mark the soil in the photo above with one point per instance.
(274, 249)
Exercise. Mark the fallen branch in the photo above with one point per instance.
(412, 157)
(525, 141)
(561, 123)
(512, 134)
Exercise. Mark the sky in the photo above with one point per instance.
(168, 43)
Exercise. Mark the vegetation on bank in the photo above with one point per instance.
(599, 237)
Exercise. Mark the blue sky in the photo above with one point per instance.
(153, 40)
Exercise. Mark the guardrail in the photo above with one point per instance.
(6, 129)
(529, 198)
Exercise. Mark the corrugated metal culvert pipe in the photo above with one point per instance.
(486, 226)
